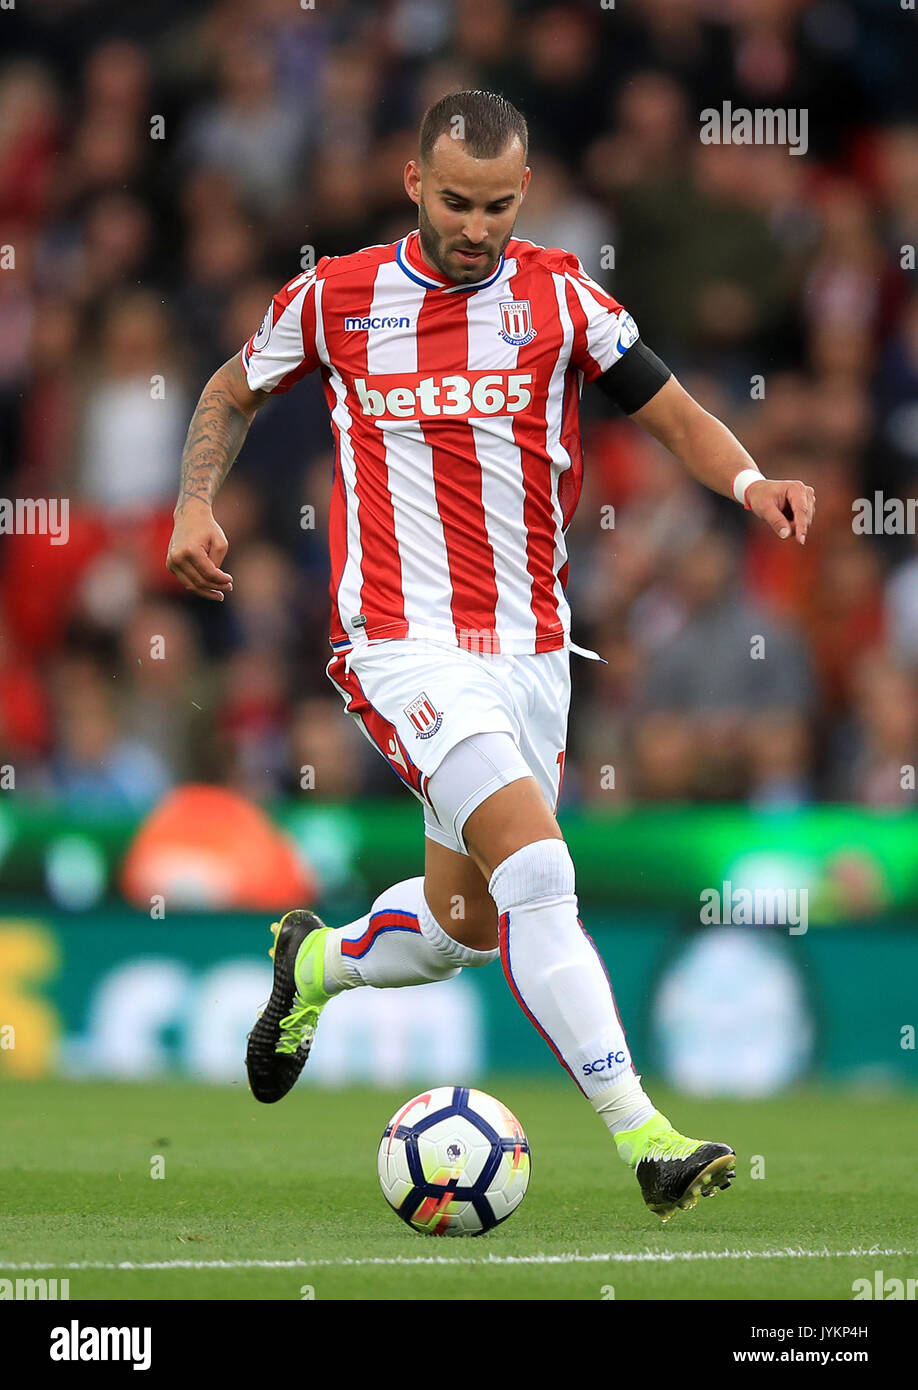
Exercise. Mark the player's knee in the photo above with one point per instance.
(469, 789)
(471, 923)
(542, 869)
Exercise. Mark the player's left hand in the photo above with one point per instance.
(782, 502)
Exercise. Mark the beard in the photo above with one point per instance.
(437, 250)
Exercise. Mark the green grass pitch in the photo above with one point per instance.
(296, 1182)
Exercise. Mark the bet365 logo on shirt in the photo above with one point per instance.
(466, 395)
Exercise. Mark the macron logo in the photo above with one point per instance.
(353, 324)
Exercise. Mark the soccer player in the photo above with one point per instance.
(452, 363)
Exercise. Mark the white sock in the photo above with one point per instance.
(558, 978)
(398, 942)
(623, 1107)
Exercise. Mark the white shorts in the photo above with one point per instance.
(417, 699)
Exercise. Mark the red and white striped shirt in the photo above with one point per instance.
(454, 410)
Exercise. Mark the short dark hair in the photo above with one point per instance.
(488, 124)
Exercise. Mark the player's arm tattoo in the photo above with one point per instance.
(216, 434)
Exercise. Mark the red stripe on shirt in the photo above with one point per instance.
(580, 352)
(571, 480)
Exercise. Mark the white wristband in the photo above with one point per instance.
(742, 481)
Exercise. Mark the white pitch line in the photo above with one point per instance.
(349, 1262)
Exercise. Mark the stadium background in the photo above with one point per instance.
(163, 169)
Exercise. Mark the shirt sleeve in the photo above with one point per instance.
(284, 348)
(603, 328)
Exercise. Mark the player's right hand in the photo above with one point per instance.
(787, 505)
(196, 551)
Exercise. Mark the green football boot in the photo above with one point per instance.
(281, 1040)
(672, 1171)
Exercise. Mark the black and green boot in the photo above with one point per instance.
(281, 1040)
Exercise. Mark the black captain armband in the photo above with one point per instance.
(634, 379)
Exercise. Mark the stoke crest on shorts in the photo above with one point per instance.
(516, 317)
(424, 715)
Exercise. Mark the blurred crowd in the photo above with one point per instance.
(163, 170)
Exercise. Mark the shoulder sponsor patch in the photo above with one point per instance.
(261, 337)
(627, 331)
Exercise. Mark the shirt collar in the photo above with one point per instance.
(409, 259)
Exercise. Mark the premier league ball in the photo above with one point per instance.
(454, 1162)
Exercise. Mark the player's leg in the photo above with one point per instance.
(399, 942)
(402, 940)
(420, 930)
(457, 892)
(487, 798)
(551, 965)
(416, 932)
(559, 980)
(424, 928)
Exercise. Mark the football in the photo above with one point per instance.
(454, 1162)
